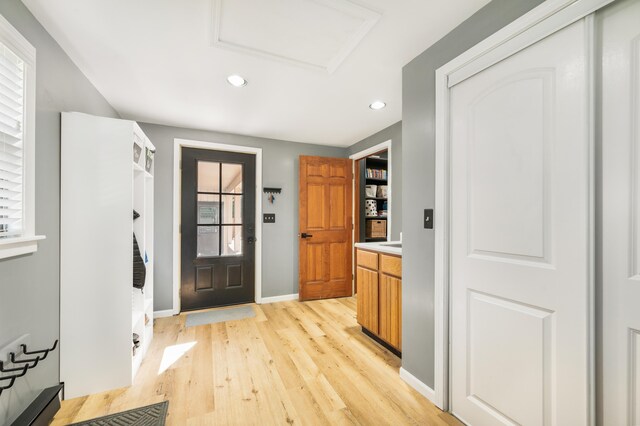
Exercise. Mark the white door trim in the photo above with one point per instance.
(178, 144)
(365, 153)
(535, 25)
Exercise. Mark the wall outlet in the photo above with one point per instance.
(14, 347)
(269, 218)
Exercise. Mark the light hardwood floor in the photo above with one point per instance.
(294, 363)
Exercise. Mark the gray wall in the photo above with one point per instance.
(418, 173)
(29, 285)
(279, 240)
(393, 132)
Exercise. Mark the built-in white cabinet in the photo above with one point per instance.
(106, 175)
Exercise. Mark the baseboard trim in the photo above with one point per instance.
(163, 314)
(283, 298)
(415, 383)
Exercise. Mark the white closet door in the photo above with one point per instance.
(520, 263)
(619, 34)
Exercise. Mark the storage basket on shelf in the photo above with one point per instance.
(376, 228)
(370, 190)
(371, 208)
(381, 191)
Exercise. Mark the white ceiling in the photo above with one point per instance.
(313, 66)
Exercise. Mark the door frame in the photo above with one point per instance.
(540, 22)
(359, 156)
(178, 144)
(365, 153)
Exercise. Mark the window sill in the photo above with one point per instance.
(11, 247)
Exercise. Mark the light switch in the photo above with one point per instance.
(428, 218)
(269, 218)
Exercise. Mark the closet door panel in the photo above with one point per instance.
(619, 36)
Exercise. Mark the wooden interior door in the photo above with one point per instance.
(520, 237)
(619, 40)
(325, 218)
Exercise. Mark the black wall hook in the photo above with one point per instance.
(43, 351)
(12, 358)
(23, 370)
(12, 381)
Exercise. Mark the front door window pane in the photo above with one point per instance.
(208, 176)
(208, 241)
(208, 209)
(232, 209)
(232, 178)
(231, 240)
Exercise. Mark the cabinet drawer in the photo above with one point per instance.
(391, 265)
(367, 259)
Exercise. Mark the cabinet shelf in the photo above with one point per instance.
(375, 217)
(377, 198)
(136, 317)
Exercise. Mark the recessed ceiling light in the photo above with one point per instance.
(236, 80)
(377, 105)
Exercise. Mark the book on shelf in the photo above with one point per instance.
(377, 174)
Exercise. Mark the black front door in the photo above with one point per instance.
(218, 228)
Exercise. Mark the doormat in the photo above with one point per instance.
(151, 415)
(220, 315)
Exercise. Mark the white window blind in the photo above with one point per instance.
(12, 77)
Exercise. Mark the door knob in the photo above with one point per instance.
(305, 235)
(251, 240)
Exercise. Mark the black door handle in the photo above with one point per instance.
(305, 235)
(251, 240)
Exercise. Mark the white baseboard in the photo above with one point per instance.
(282, 298)
(165, 313)
(415, 383)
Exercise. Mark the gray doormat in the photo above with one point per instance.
(220, 315)
(151, 415)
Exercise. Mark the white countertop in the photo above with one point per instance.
(382, 247)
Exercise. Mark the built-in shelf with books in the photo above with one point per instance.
(107, 181)
(373, 208)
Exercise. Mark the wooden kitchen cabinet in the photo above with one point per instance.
(368, 298)
(378, 277)
(390, 310)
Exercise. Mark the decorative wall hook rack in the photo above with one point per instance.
(271, 192)
(26, 364)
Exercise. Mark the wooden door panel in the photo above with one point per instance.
(390, 310)
(367, 299)
(337, 206)
(326, 221)
(338, 254)
(316, 210)
(316, 262)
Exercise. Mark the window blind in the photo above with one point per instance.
(11, 142)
